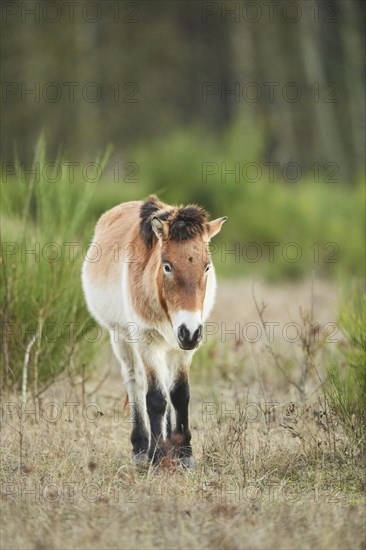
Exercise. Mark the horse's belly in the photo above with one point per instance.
(105, 302)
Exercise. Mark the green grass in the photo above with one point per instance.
(346, 387)
(43, 313)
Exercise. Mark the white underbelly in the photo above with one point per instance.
(104, 301)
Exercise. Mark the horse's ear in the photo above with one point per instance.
(160, 228)
(214, 226)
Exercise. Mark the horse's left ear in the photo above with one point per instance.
(160, 228)
(214, 227)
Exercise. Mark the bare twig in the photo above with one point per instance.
(53, 380)
(100, 383)
(25, 368)
(269, 347)
(37, 352)
(83, 381)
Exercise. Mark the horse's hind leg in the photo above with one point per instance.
(133, 374)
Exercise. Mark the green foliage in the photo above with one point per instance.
(265, 217)
(42, 307)
(346, 388)
(275, 230)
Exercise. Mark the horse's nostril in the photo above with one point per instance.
(198, 334)
(183, 333)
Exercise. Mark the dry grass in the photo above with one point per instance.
(272, 473)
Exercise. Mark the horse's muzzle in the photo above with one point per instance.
(188, 341)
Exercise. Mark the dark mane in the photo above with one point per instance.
(185, 222)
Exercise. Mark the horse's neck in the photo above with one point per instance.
(143, 276)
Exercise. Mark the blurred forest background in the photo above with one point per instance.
(255, 110)
(167, 66)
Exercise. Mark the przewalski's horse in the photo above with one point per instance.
(149, 280)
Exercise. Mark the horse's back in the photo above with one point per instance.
(118, 219)
(116, 237)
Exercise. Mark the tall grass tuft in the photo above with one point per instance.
(346, 386)
(44, 230)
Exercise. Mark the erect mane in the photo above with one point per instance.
(185, 222)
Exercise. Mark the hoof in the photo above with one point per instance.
(140, 459)
(188, 462)
(156, 454)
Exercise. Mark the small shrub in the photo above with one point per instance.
(346, 388)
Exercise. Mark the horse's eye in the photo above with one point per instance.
(167, 267)
(207, 268)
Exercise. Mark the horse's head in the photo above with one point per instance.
(186, 279)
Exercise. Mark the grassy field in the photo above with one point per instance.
(273, 471)
(278, 403)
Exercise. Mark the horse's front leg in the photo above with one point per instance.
(179, 396)
(156, 403)
(156, 396)
(134, 377)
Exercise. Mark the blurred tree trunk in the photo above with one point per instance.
(88, 124)
(327, 144)
(354, 83)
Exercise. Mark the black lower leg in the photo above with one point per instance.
(139, 435)
(156, 403)
(169, 422)
(179, 396)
